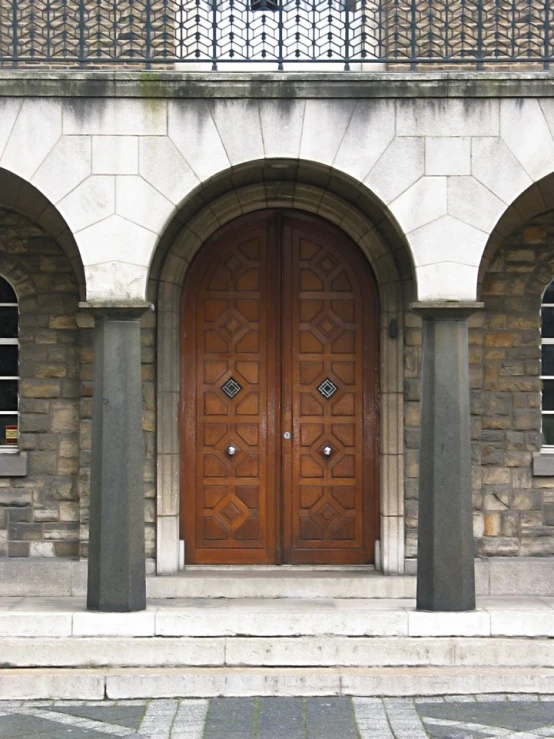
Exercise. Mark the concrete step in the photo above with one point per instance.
(276, 652)
(280, 582)
(54, 648)
(96, 684)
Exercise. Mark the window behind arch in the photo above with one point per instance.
(547, 366)
(9, 367)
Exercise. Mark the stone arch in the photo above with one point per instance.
(344, 202)
(536, 199)
(18, 195)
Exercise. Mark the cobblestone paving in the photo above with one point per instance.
(450, 717)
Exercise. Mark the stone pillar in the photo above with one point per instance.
(445, 559)
(116, 560)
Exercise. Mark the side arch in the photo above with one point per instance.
(20, 196)
(532, 202)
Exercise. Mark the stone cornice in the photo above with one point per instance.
(266, 85)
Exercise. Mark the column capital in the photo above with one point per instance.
(446, 310)
(116, 310)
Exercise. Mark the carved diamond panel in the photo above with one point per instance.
(327, 388)
(231, 388)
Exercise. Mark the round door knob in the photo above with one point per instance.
(327, 451)
(231, 450)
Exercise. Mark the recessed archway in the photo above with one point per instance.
(312, 189)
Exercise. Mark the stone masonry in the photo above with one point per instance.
(39, 513)
(513, 510)
(45, 513)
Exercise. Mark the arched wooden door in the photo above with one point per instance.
(279, 396)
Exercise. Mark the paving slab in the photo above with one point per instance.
(462, 716)
(515, 715)
(232, 718)
(281, 718)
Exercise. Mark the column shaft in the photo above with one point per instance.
(116, 563)
(445, 567)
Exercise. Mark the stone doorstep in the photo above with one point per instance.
(119, 684)
(496, 576)
(275, 652)
(272, 583)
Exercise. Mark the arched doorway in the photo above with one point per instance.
(279, 395)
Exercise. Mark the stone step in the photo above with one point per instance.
(99, 683)
(276, 652)
(280, 582)
(316, 617)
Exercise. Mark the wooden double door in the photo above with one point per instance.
(279, 396)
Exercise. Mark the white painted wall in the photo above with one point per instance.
(117, 169)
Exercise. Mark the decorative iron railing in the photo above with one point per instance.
(277, 34)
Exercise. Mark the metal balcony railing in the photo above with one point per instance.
(277, 34)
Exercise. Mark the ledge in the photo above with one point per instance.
(446, 309)
(193, 85)
(543, 464)
(13, 465)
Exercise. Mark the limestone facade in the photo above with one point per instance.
(444, 195)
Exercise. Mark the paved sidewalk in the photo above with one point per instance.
(453, 717)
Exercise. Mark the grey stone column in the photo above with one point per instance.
(116, 560)
(445, 559)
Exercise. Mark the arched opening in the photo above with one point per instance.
(336, 198)
(46, 387)
(19, 196)
(510, 354)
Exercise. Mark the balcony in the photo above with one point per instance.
(278, 34)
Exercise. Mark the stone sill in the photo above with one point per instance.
(543, 464)
(13, 464)
(273, 85)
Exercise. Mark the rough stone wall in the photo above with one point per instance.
(39, 513)
(513, 510)
(45, 514)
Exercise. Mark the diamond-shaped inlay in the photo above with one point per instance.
(230, 512)
(326, 325)
(327, 264)
(231, 325)
(231, 388)
(327, 388)
(327, 512)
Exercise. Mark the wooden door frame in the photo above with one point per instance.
(370, 396)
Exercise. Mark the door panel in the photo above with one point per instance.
(281, 329)
(329, 514)
(228, 360)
